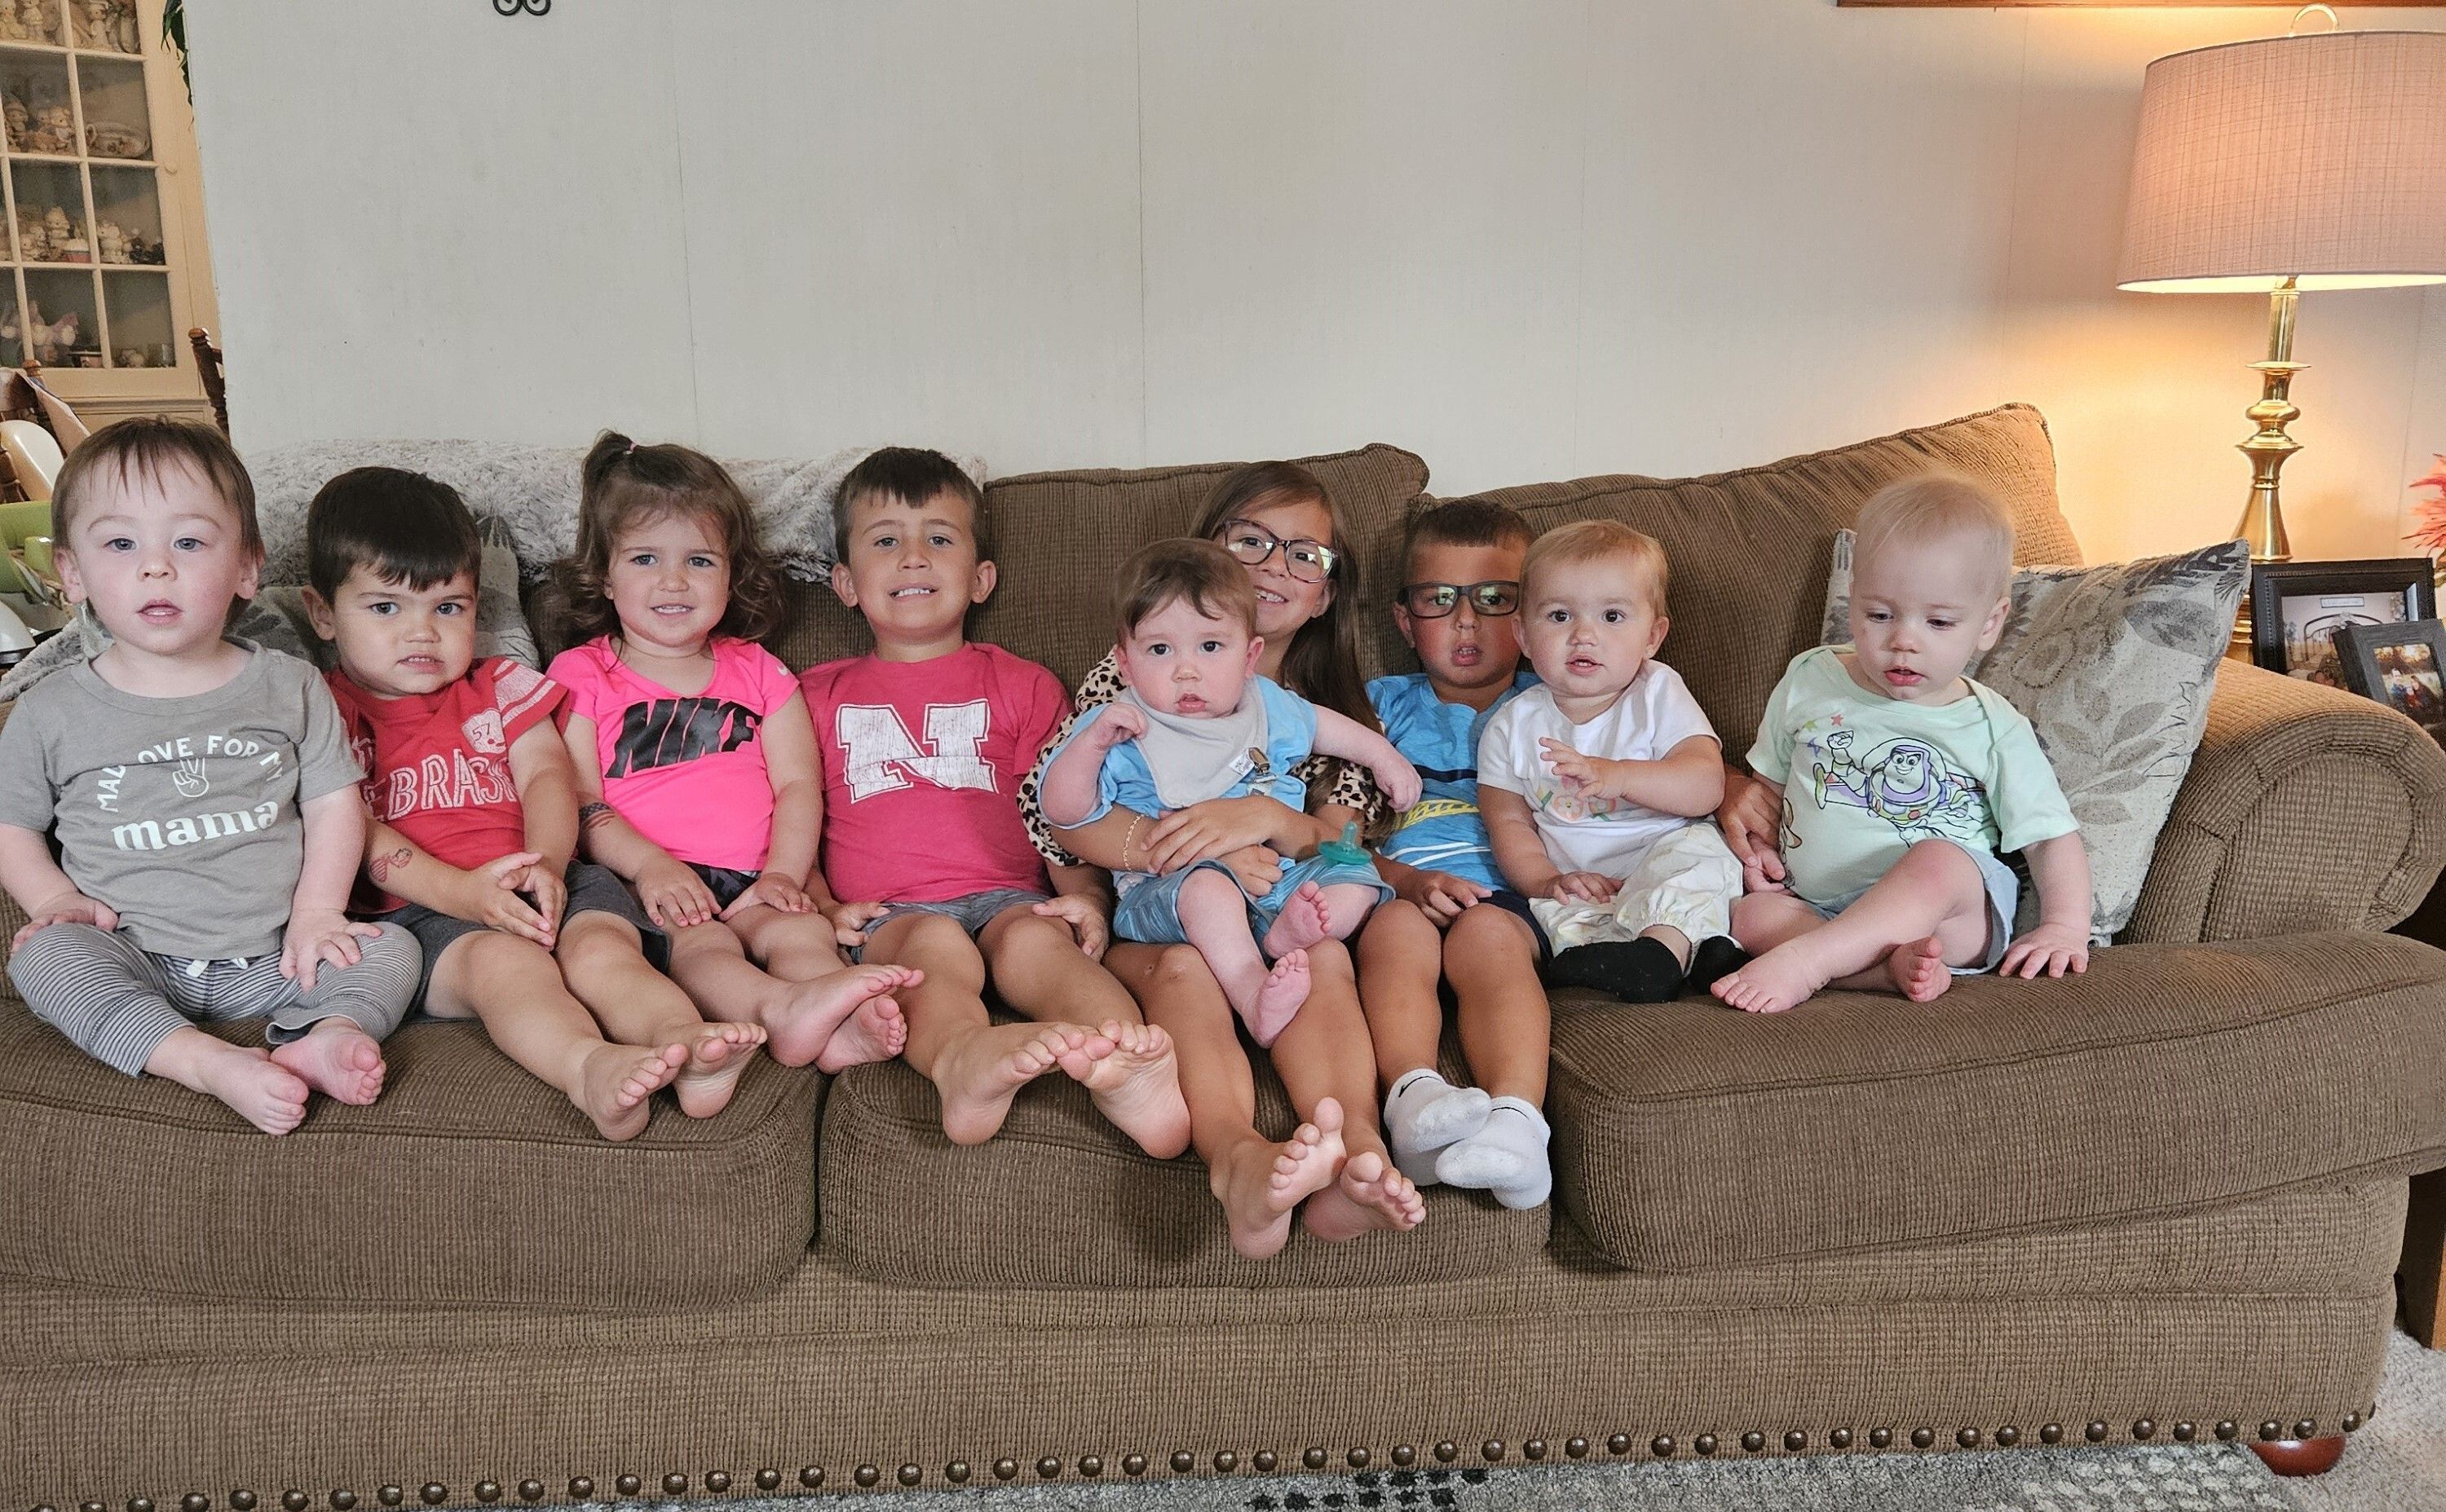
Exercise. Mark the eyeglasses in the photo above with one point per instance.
(1433, 601)
(1251, 544)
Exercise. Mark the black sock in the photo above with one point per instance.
(1717, 956)
(1642, 970)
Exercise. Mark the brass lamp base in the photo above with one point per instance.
(2263, 518)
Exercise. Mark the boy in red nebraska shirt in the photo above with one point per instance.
(475, 815)
(924, 861)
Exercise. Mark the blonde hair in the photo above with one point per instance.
(1939, 507)
(1641, 555)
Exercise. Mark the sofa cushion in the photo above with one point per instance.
(470, 1182)
(1750, 549)
(1691, 1137)
(1059, 1198)
(1060, 535)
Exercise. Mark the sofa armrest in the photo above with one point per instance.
(2307, 807)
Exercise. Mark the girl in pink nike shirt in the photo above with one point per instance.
(697, 771)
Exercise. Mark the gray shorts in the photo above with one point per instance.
(973, 911)
(2004, 899)
(592, 889)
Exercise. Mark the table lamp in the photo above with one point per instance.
(2306, 161)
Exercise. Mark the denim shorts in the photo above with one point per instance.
(973, 911)
(592, 889)
(2004, 898)
(1149, 910)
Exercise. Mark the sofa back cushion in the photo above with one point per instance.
(1059, 539)
(1750, 549)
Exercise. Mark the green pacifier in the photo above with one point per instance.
(1346, 851)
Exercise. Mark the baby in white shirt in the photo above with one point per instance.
(1597, 785)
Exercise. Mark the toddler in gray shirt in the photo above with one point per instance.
(180, 815)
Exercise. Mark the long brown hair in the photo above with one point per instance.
(1321, 662)
(622, 483)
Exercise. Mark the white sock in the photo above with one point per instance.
(1423, 1114)
(1507, 1157)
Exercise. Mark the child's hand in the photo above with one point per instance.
(773, 890)
(850, 920)
(318, 936)
(675, 897)
(490, 898)
(1750, 815)
(2051, 947)
(1119, 722)
(1441, 895)
(1085, 919)
(1581, 886)
(1256, 868)
(1586, 773)
(1399, 781)
(1754, 877)
(68, 908)
(546, 889)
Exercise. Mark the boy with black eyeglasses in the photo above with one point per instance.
(1460, 592)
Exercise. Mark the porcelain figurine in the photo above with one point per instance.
(110, 242)
(54, 130)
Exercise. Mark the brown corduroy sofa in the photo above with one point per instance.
(2160, 1201)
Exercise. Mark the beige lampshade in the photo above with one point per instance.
(2318, 157)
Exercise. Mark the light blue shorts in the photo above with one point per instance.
(2004, 899)
(1149, 908)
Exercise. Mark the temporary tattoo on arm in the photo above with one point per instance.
(381, 867)
(594, 815)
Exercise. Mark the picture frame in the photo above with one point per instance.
(2402, 666)
(2296, 607)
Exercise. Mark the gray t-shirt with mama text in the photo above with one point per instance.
(180, 814)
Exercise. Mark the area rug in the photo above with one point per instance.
(2221, 1478)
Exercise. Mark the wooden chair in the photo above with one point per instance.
(25, 398)
(208, 363)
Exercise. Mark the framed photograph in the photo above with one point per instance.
(2402, 666)
(2297, 608)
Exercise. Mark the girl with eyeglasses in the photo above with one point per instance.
(1277, 520)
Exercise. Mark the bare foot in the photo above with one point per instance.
(877, 1031)
(803, 1023)
(717, 1053)
(1137, 1087)
(1919, 969)
(978, 1076)
(265, 1094)
(1370, 1193)
(336, 1059)
(616, 1081)
(1304, 921)
(1277, 1000)
(1783, 977)
(1260, 1185)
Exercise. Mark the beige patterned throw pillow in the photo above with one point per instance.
(2113, 665)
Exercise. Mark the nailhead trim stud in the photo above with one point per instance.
(581, 1488)
(626, 1485)
(1618, 1443)
(1047, 1467)
(1576, 1448)
(2051, 1433)
(1313, 1459)
(1089, 1464)
(1704, 1444)
(2307, 1428)
(343, 1501)
(1922, 1437)
(191, 1502)
(1265, 1460)
(1006, 1468)
(2007, 1436)
(2352, 1421)
(956, 1472)
(812, 1476)
(2228, 1428)
(1448, 1451)
(1796, 1440)
(1357, 1459)
(1661, 1446)
(1880, 1438)
(867, 1475)
(2271, 1430)
(768, 1480)
(1133, 1465)
(485, 1491)
(674, 1483)
(2145, 1429)
(2185, 1432)
(1183, 1462)
(910, 1475)
(1967, 1438)
(433, 1493)
(2095, 1432)
(1225, 1461)
(1840, 1438)
(243, 1501)
(1491, 1450)
(1754, 1441)
(717, 1480)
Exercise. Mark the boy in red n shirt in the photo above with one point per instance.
(924, 861)
(474, 818)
